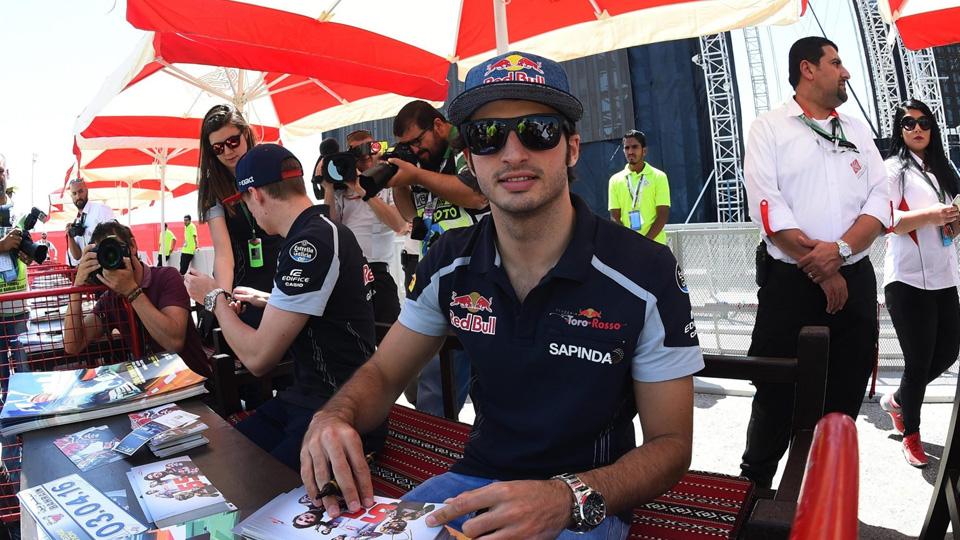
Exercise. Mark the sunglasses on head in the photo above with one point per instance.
(230, 142)
(910, 123)
(536, 132)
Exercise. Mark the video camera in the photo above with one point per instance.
(110, 253)
(341, 167)
(36, 252)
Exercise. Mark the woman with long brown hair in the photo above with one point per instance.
(245, 257)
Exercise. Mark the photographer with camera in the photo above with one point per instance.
(13, 278)
(157, 295)
(89, 215)
(437, 195)
(375, 221)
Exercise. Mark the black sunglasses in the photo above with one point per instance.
(535, 131)
(230, 142)
(909, 123)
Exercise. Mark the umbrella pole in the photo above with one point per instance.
(500, 25)
(163, 197)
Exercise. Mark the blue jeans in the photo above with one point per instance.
(440, 488)
(430, 387)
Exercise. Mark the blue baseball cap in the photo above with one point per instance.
(515, 75)
(260, 166)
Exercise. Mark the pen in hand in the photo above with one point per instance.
(332, 488)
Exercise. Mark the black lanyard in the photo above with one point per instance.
(941, 195)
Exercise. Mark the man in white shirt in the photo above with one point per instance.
(89, 215)
(375, 223)
(817, 186)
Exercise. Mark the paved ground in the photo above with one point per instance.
(893, 495)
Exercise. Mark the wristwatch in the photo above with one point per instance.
(210, 300)
(845, 251)
(589, 508)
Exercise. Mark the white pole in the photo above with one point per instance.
(163, 197)
(129, 201)
(500, 25)
(33, 180)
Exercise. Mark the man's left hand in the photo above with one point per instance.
(406, 173)
(120, 281)
(521, 509)
(198, 284)
(823, 260)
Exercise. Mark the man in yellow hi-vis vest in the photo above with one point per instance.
(167, 242)
(639, 195)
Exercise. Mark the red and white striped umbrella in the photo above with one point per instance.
(924, 23)
(462, 31)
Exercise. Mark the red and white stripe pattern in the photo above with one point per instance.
(924, 23)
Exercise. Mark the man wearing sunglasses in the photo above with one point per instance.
(573, 324)
(817, 186)
(89, 215)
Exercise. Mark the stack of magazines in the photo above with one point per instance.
(293, 515)
(172, 441)
(40, 399)
(174, 491)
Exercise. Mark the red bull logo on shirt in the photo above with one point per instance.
(514, 67)
(473, 302)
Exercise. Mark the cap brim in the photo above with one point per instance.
(462, 106)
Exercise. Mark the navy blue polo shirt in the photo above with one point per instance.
(321, 272)
(553, 376)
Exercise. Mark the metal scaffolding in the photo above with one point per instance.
(923, 83)
(758, 73)
(717, 67)
(881, 61)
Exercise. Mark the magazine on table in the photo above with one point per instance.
(90, 448)
(293, 515)
(46, 398)
(175, 491)
(173, 437)
(70, 507)
(215, 527)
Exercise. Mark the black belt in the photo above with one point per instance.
(845, 269)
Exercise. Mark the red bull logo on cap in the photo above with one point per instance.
(473, 302)
(514, 67)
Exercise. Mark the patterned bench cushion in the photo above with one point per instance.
(701, 506)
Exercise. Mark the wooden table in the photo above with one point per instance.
(246, 475)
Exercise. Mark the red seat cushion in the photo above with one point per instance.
(702, 505)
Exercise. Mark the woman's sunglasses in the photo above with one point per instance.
(231, 142)
(536, 132)
(909, 123)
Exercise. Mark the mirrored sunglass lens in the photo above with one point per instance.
(539, 133)
(909, 123)
(486, 136)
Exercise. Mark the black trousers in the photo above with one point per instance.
(386, 302)
(789, 301)
(928, 328)
(160, 260)
(185, 259)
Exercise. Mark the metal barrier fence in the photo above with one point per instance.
(718, 261)
(33, 338)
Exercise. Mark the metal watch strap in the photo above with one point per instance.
(844, 250)
(210, 300)
(578, 488)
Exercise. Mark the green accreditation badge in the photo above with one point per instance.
(254, 246)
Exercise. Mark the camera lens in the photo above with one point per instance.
(110, 253)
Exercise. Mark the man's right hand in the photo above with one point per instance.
(86, 266)
(835, 288)
(331, 444)
(11, 240)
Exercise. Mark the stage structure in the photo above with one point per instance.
(758, 70)
(727, 175)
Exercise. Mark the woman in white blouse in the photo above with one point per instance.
(920, 270)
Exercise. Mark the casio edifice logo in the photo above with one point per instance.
(295, 278)
(586, 353)
(303, 252)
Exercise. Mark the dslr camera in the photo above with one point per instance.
(110, 253)
(37, 253)
(78, 227)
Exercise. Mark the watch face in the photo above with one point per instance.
(593, 509)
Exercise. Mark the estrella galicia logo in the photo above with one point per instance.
(681, 280)
(303, 252)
